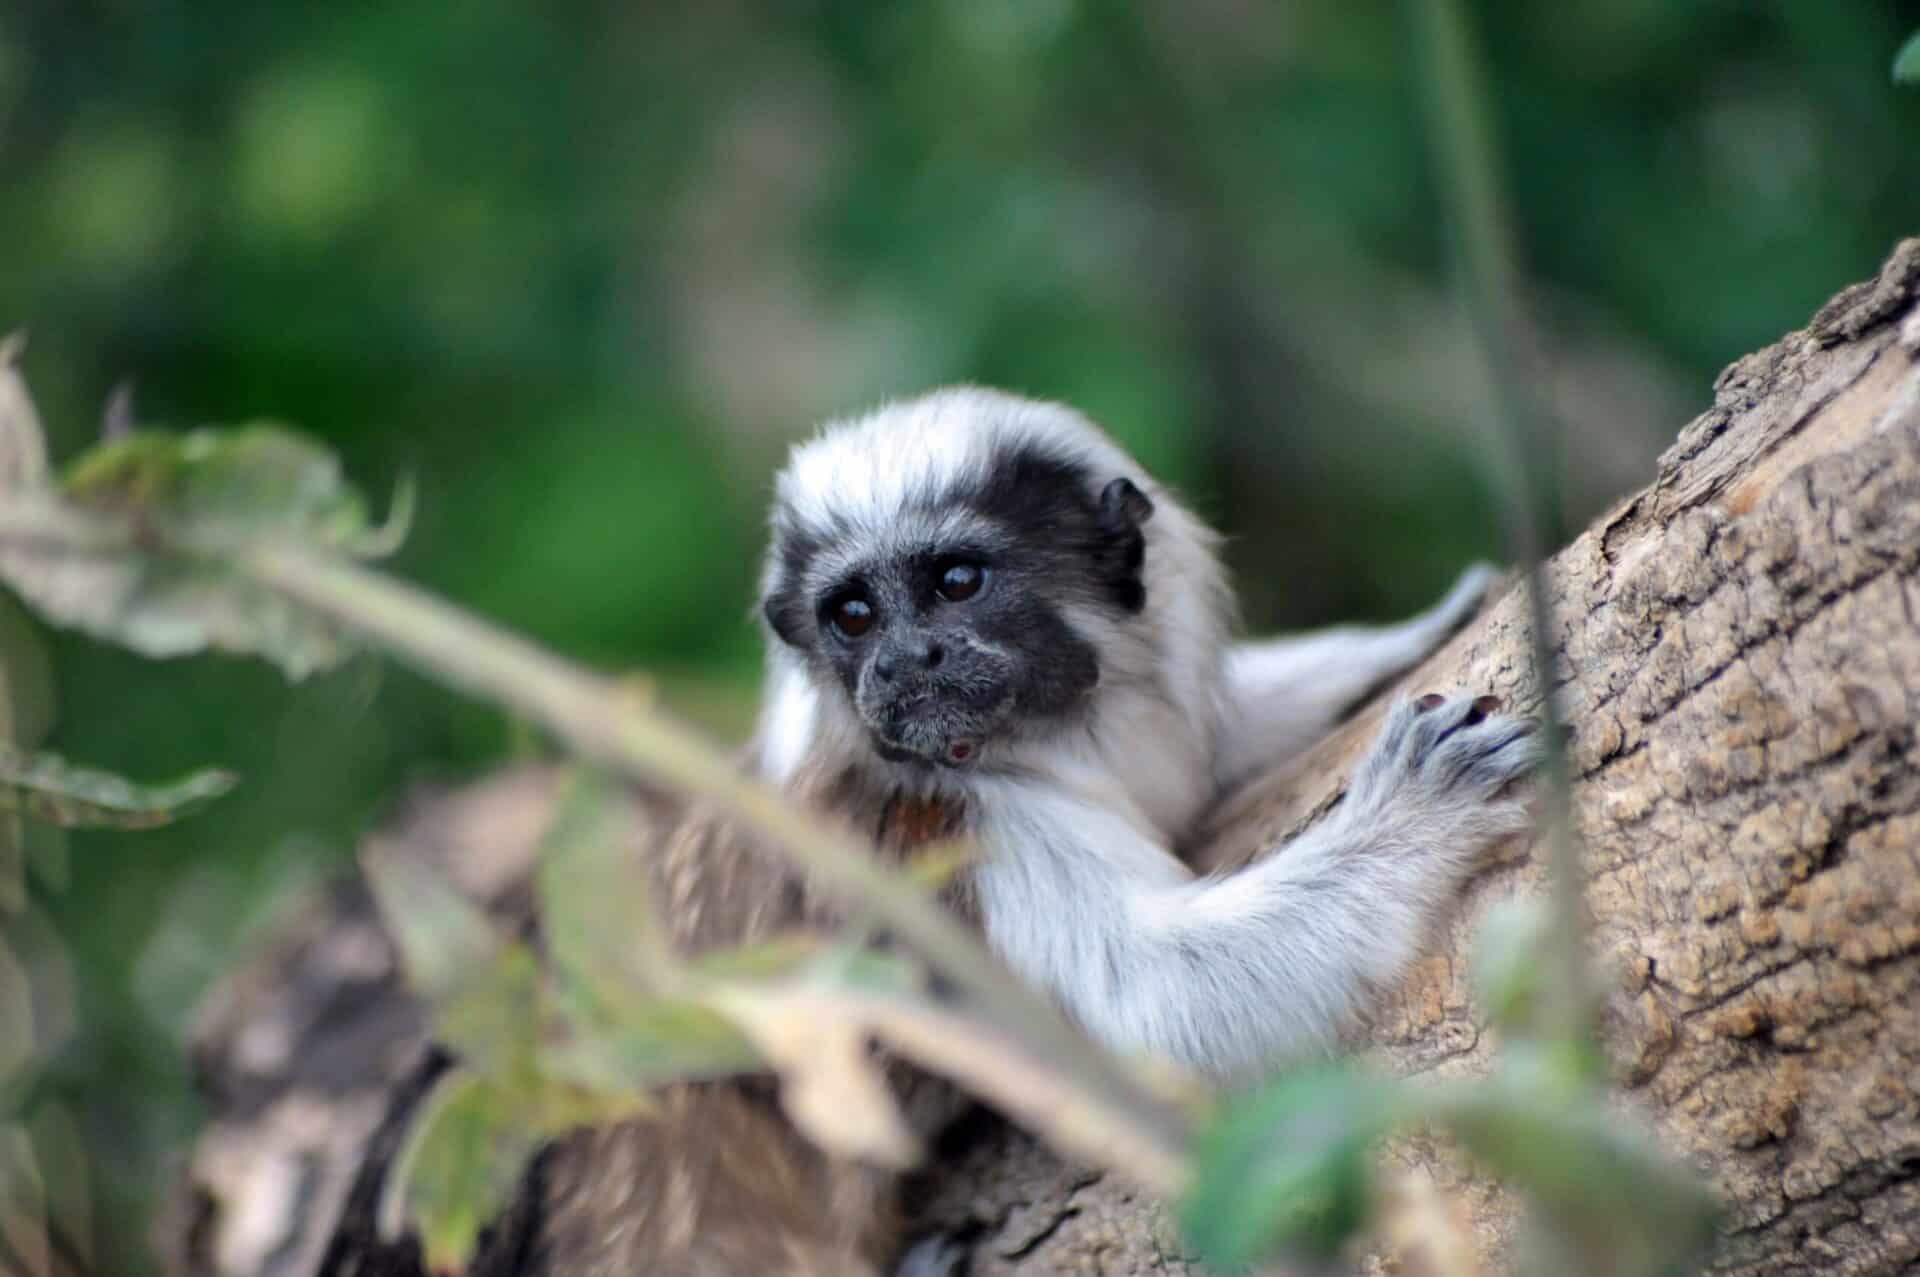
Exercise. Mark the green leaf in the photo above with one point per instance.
(808, 956)
(467, 1149)
(1508, 971)
(26, 715)
(648, 1044)
(1906, 63)
(42, 1006)
(26, 678)
(48, 854)
(62, 1157)
(596, 894)
(136, 543)
(1288, 1169)
(13, 864)
(23, 444)
(492, 1018)
(86, 573)
(49, 788)
(778, 956)
(23, 1206)
(443, 937)
(1601, 1185)
(464, 1154)
(207, 486)
(17, 1018)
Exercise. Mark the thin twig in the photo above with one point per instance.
(588, 712)
(1487, 269)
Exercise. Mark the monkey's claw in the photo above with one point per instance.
(1454, 746)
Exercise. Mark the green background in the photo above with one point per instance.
(584, 270)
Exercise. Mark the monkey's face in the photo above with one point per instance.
(951, 626)
(946, 652)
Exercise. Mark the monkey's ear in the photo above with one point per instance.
(1121, 503)
(1123, 553)
(782, 611)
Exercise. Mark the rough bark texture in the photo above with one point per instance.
(1740, 661)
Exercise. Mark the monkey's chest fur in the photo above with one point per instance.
(717, 1182)
(723, 886)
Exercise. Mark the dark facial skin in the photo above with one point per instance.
(943, 652)
(945, 649)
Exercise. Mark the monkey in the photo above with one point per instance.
(982, 598)
(984, 618)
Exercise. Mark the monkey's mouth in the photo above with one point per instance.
(931, 739)
(938, 731)
(958, 751)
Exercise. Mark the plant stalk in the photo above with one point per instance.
(1486, 269)
(598, 718)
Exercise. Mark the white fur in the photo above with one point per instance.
(1280, 695)
(1079, 890)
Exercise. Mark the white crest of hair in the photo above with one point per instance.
(1079, 889)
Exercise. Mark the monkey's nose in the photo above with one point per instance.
(884, 669)
(933, 655)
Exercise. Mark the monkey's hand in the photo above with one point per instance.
(1442, 775)
(1230, 975)
(1284, 694)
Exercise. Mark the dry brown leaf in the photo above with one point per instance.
(830, 1082)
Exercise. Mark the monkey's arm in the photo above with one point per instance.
(1281, 695)
(1230, 975)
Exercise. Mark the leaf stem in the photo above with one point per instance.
(589, 713)
(1487, 270)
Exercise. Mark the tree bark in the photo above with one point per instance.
(1737, 654)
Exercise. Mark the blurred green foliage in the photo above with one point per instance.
(584, 269)
(1906, 63)
(1290, 1168)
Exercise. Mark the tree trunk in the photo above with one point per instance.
(1739, 661)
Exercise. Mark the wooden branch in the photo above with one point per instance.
(1740, 662)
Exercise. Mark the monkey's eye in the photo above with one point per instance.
(960, 581)
(852, 615)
